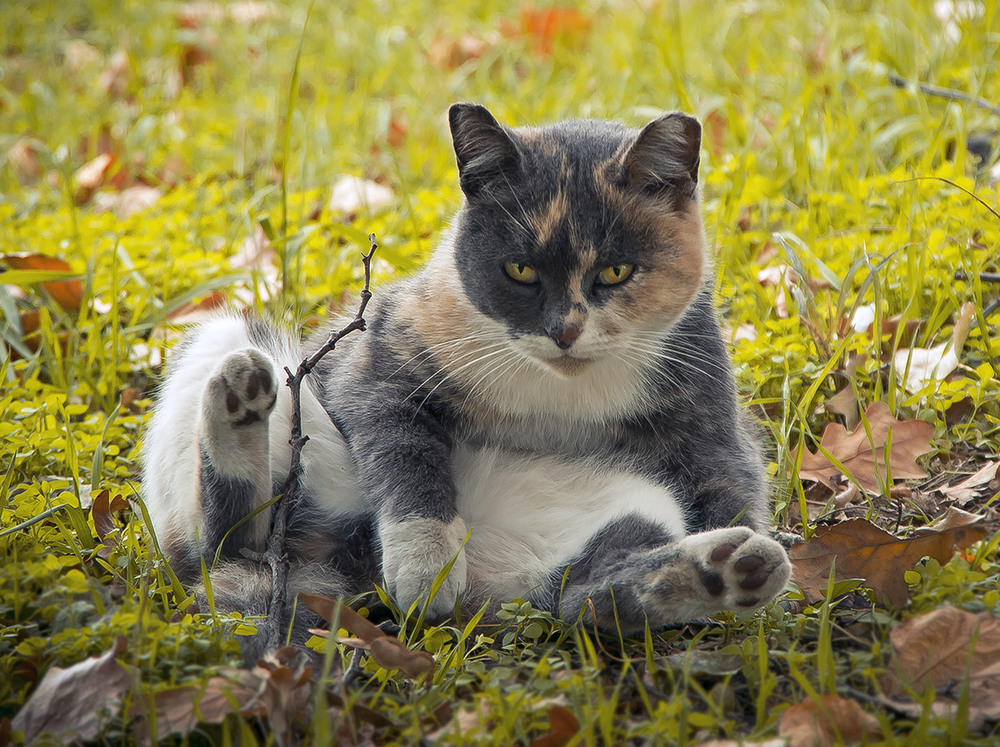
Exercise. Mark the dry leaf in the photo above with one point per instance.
(67, 293)
(828, 721)
(953, 517)
(351, 194)
(277, 690)
(862, 550)
(447, 53)
(944, 648)
(103, 511)
(845, 404)
(180, 710)
(128, 201)
(969, 488)
(68, 703)
(548, 26)
(563, 726)
(387, 651)
(917, 368)
(861, 457)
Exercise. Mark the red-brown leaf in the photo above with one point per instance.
(862, 550)
(863, 457)
(67, 293)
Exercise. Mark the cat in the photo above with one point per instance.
(548, 404)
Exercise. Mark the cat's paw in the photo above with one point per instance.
(242, 391)
(737, 567)
(413, 554)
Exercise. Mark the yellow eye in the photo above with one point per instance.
(615, 274)
(522, 273)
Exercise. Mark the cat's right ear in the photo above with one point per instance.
(483, 147)
(664, 158)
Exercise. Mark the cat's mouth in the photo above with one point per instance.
(568, 365)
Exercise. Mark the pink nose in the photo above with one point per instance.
(567, 336)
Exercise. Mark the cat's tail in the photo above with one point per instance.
(244, 587)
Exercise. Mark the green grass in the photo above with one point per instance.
(812, 159)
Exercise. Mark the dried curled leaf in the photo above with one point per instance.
(829, 720)
(944, 650)
(68, 702)
(388, 652)
(862, 550)
(866, 459)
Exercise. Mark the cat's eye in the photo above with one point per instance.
(521, 272)
(615, 274)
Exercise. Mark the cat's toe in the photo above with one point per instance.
(738, 568)
(243, 389)
(759, 570)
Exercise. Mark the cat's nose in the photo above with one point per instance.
(566, 336)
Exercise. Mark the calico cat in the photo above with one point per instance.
(549, 403)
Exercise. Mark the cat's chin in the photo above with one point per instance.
(567, 365)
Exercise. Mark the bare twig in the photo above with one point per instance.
(985, 277)
(275, 555)
(944, 93)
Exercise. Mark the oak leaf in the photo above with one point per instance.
(859, 549)
(865, 459)
(829, 720)
(948, 649)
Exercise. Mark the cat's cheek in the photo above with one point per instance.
(414, 553)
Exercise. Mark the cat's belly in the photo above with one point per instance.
(529, 515)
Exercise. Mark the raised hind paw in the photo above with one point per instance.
(737, 568)
(242, 390)
(236, 403)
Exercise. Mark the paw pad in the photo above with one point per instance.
(242, 391)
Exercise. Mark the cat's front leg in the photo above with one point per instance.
(414, 553)
(627, 586)
(403, 455)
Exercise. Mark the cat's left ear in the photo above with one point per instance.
(483, 147)
(664, 158)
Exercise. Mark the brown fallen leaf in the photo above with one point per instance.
(387, 651)
(845, 404)
(862, 550)
(828, 721)
(103, 511)
(180, 710)
(945, 649)
(67, 293)
(863, 457)
(276, 690)
(563, 726)
(969, 488)
(67, 704)
(952, 518)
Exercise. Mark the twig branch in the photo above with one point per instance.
(275, 555)
(944, 93)
(985, 277)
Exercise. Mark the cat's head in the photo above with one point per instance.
(582, 238)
